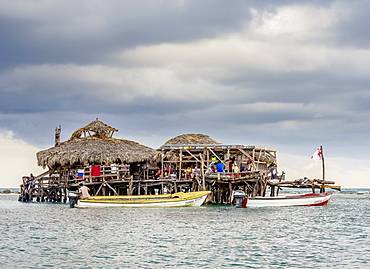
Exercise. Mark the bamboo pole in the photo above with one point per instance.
(180, 166)
(162, 165)
(323, 170)
(230, 193)
(130, 185)
(202, 173)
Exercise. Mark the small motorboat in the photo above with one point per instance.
(310, 199)
(164, 200)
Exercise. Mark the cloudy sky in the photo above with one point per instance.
(289, 75)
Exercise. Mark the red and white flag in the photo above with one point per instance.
(317, 156)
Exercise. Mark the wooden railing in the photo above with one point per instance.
(106, 173)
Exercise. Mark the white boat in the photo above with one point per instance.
(165, 200)
(311, 199)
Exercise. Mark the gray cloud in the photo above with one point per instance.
(88, 31)
(251, 72)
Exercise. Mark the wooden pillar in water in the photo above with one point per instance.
(202, 173)
(180, 167)
(230, 193)
(130, 183)
(65, 195)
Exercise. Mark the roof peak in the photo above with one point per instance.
(96, 128)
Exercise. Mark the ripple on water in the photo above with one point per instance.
(47, 235)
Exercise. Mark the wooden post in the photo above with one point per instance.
(130, 183)
(202, 173)
(230, 193)
(272, 194)
(162, 164)
(65, 194)
(180, 167)
(57, 135)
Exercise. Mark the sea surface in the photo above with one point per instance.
(46, 235)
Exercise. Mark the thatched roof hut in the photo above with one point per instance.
(183, 140)
(191, 139)
(94, 144)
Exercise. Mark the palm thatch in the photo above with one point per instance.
(97, 148)
(191, 139)
(96, 128)
(185, 139)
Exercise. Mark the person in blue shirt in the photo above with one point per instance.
(220, 167)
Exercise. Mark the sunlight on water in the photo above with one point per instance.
(41, 235)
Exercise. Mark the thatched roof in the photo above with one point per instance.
(96, 128)
(191, 139)
(97, 148)
(185, 139)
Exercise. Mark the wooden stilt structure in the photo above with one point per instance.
(127, 168)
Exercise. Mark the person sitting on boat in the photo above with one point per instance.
(83, 192)
(220, 167)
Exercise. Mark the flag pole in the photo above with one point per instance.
(323, 170)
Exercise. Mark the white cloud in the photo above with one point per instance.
(240, 56)
(106, 83)
(17, 159)
(346, 172)
(294, 19)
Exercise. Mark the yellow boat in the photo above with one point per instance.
(165, 200)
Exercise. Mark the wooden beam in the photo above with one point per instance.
(195, 157)
(245, 153)
(215, 154)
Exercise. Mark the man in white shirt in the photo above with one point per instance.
(83, 192)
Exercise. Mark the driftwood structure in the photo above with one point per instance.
(111, 166)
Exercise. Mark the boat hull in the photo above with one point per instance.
(174, 200)
(312, 199)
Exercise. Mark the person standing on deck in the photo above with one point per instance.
(83, 192)
(220, 167)
(249, 165)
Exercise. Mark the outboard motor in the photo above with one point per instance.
(238, 198)
(73, 198)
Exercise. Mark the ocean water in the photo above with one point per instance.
(45, 235)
